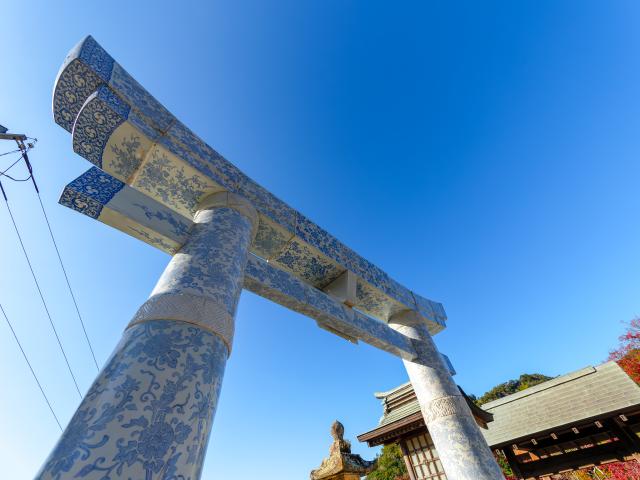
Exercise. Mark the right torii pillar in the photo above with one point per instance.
(463, 451)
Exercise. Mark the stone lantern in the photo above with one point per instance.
(341, 464)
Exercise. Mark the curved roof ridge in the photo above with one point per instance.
(394, 390)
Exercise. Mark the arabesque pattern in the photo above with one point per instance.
(149, 412)
(121, 128)
(148, 415)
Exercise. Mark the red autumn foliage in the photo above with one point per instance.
(622, 470)
(612, 471)
(627, 355)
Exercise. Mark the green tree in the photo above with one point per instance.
(504, 464)
(525, 381)
(390, 465)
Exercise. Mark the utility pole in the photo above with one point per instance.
(19, 138)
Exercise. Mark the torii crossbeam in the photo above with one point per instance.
(150, 410)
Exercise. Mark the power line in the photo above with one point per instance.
(25, 155)
(3, 173)
(26, 359)
(7, 153)
(44, 303)
(66, 277)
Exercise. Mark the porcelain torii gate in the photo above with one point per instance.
(149, 412)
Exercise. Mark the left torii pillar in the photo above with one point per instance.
(148, 414)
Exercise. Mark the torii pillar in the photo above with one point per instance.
(463, 451)
(148, 415)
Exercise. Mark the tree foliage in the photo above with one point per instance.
(504, 465)
(627, 355)
(390, 465)
(612, 471)
(622, 470)
(525, 381)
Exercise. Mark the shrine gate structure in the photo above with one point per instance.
(148, 415)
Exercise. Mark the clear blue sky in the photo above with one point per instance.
(483, 154)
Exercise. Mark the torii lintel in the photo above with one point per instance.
(154, 172)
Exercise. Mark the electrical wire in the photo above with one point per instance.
(44, 303)
(24, 155)
(8, 153)
(20, 157)
(17, 179)
(3, 173)
(26, 359)
(66, 277)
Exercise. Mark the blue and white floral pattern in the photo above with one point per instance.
(212, 263)
(274, 284)
(267, 203)
(434, 311)
(203, 157)
(142, 124)
(282, 287)
(154, 239)
(183, 169)
(126, 160)
(330, 246)
(307, 264)
(148, 414)
(179, 227)
(173, 183)
(463, 450)
(270, 239)
(138, 97)
(270, 282)
(375, 303)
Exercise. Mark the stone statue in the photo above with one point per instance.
(341, 464)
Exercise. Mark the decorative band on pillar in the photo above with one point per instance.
(200, 310)
(444, 407)
(446, 400)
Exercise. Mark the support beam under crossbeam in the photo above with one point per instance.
(100, 196)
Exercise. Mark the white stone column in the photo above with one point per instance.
(148, 414)
(462, 448)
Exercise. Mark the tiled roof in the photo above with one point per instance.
(401, 403)
(583, 394)
(400, 412)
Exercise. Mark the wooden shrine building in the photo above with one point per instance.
(585, 418)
